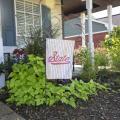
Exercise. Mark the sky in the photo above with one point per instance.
(115, 10)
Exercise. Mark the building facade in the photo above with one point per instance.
(18, 17)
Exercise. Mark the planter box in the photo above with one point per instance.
(2, 80)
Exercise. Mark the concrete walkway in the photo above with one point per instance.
(7, 114)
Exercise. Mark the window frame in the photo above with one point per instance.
(25, 35)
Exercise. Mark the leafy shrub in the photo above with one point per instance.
(112, 43)
(78, 54)
(17, 56)
(101, 57)
(36, 43)
(27, 80)
(88, 72)
(82, 57)
(29, 86)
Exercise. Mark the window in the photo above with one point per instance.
(27, 16)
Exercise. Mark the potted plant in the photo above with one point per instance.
(2, 75)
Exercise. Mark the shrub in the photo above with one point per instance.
(82, 57)
(88, 72)
(29, 86)
(36, 43)
(27, 80)
(112, 43)
(17, 56)
(78, 54)
(101, 57)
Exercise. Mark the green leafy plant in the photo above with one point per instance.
(78, 56)
(88, 72)
(1, 91)
(36, 43)
(112, 43)
(101, 57)
(83, 57)
(28, 86)
(2, 67)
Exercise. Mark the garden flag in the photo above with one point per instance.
(59, 59)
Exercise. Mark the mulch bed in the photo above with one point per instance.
(105, 106)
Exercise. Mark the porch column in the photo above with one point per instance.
(1, 40)
(82, 18)
(109, 11)
(89, 6)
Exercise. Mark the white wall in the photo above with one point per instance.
(1, 40)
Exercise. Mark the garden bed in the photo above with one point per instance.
(105, 106)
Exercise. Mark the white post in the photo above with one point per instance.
(89, 6)
(1, 40)
(2, 75)
(82, 18)
(109, 11)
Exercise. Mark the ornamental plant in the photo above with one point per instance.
(19, 55)
(77, 56)
(82, 57)
(87, 73)
(27, 85)
(36, 42)
(101, 57)
(112, 44)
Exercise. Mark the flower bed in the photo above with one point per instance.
(104, 106)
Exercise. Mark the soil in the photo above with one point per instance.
(109, 77)
(104, 106)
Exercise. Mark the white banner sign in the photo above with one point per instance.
(59, 59)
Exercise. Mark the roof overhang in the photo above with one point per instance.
(77, 6)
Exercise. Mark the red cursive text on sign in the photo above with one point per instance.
(57, 59)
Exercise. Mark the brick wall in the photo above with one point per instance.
(98, 38)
